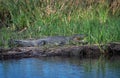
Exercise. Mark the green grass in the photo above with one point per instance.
(39, 18)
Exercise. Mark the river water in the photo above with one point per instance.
(60, 67)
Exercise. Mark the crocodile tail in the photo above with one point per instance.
(13, 42)
(18, 41)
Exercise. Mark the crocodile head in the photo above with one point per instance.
(41, 43)
(78, 37)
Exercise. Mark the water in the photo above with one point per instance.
(60, 67)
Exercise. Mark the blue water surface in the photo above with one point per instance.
(60, 67)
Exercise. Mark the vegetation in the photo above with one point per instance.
(25, 19)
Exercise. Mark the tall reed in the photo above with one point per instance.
(99, 19)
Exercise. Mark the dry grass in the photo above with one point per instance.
(37, 18)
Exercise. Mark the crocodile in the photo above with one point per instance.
(53, 40)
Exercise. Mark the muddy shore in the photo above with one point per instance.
(89, 51)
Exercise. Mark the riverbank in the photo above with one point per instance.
(89, 51)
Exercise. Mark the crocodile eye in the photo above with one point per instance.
(77, 38)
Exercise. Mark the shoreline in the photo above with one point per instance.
(89, 51)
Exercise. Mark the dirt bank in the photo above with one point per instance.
(79, 51)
